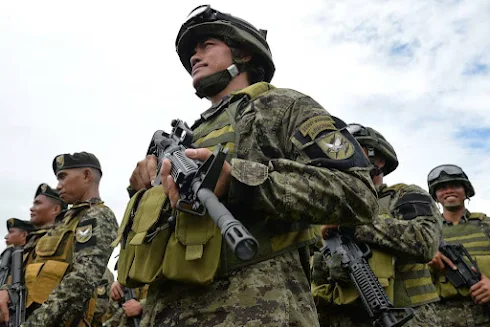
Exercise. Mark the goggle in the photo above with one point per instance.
(204, 13)
(357, 129)
(451, 170)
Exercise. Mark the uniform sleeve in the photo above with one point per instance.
(414, 231)
(70, 298)
(318, 173)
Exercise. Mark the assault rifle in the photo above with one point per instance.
(196, 181)
(5, 264)
(129, 295)
(17, 292)
(379, 308)
(464, 275)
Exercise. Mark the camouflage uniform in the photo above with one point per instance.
(403, 237)
(103, 290)
(90, 256)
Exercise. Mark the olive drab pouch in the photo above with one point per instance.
(193, 251)
(144, 234)
(42, 278)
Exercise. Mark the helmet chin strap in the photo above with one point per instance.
(217, 82)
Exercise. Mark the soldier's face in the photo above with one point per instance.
(43, 211)
(16, 237)
(450, 195)
(72, 184)
(211, 56)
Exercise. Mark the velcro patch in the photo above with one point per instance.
(314, 126)
(413, 205)
(336, 146)
(83, 234)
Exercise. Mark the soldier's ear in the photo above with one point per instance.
(87, 174)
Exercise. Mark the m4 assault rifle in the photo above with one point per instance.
(379, 308)
(464, 275)
(130, 295)
(196, 181)
(13, 263)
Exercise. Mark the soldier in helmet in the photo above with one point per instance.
(403, 238)
(289, 164)
(450, 186)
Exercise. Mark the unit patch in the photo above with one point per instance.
(314, 126)
(101, 290)
(336, 146)
(83, 234)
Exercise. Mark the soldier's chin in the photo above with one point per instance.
(453, 206)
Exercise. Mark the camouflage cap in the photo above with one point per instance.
(20, 224)
(76, 160)
(46, 190)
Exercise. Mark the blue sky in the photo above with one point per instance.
(103, 76)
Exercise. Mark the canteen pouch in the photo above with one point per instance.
(193, 250)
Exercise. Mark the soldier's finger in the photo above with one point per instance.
(151, 167)
(4, 311)
(166, 167)
(448, 262)
(199, 154)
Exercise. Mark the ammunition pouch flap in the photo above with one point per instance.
(42, 279)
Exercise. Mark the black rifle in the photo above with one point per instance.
(379, 308)
(17, 292)
(130, 295)
(5, 264)
(464, 275)
(196, 181)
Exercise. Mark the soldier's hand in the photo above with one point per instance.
(4, 306)
(132, 308)
(480, 292)
(324, 230)
(144, 173)
(440, 261)
(170, 188)
(116, 291)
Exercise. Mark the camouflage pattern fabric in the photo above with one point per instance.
(418, 237)
(90, 259)
(424, 316)
(273, 293)
(102, 308)
(461, 313)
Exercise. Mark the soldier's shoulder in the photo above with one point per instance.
(285, 97)
(101, 214)
(403, 189)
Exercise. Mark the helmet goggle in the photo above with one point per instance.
(204, 13)
(357, 130)
(451, 170)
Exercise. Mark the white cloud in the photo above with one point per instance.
(103, 76)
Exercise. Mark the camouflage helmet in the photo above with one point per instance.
(370, 138)
(448, 173)
(206, 21)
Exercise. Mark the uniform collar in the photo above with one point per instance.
(464, 219)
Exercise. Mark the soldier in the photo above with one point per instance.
(450, 186)
(102, 292)
(70, 260)
(290, 164)
(17, 232)
(403, 238)
(46, 207)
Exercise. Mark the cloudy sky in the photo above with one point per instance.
(102, 76)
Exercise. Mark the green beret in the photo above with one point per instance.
(21, 224)
(76, 160)
(45, 189)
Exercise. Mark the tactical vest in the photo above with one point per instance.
(52, 260)
(194, 251)
(473, 235)
(413, 282)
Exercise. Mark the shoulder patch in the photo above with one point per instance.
(101, 290)
(83, 234)
(336, 146)
(315, 125)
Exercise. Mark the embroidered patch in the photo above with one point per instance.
(314, 126)
(44, 187)
(60, 161)
(83, 234)
(336, 146)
